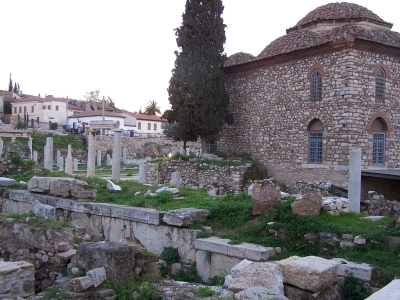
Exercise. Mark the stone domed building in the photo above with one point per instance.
(330, 85)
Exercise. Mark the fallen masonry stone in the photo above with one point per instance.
(62, 247)
(172, 191)
(244, 251)
(240, 266)
(360, 240)
(373, 218)
(361, 271)
(6, 182)
(44, 211)
(264, 199)
(81, 283)
(103, 254)
(259, 292)
(388, 292)
(263, 274)
(67, 254)
(310, 273)
(63, 187)
(308, 205)
(39, 185)
(98, 275)
(185, 216)
(111, 186)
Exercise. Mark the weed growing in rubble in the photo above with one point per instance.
(353, 289)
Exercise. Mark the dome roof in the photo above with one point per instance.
(339, 12)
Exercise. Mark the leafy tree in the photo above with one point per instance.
(10, 85)
(152, 108)
(94, 96)
(196, 90)
(173, 131)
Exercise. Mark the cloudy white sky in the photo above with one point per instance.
(125, 48)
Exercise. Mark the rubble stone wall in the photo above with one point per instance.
(272, 110)
(196, 174)
(136, 147)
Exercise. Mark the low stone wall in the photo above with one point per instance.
(198, 175)
(16, 280)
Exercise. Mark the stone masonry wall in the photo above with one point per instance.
(272, 109)
(136, 147)
(195, 174)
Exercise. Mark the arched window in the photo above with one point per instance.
(378, 129)
(315, 141)
(316, 85)
(380, 84)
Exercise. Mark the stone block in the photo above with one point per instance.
(258, 292)
(310, 273)
(66, 255)
(388, 292)
(17, 280)
(6, 182)
(185, 216)
(20, 195)
(308, 205)
(62, 247)
(264, 199)
(117, 259)
(99, 275)
(81, 283)
(39, 185)
(263, 274)
(240, 266)
(44, 211)
(137, 214)
(243, 251)
(361, 271)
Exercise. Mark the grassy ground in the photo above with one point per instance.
(231, 218)
(59, 141)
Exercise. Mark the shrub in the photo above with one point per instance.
(353, 289)
(170, 255)
(148, 292)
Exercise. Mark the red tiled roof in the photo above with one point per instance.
(340, 11)
(147, 117)
(94, 113)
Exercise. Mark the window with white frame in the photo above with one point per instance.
(378, 148)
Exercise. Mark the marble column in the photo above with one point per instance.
(116, 159)
(68, 161)
(48, 154)
(124, 150)
(354, 191)
(90, 172)
(30, 147)
(98, 158)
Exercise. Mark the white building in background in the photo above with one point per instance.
(83, 119)
(145, 125)
(41, 110)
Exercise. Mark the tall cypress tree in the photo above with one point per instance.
(196, 90)
(10, 85)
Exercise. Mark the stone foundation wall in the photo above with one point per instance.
(272, 110)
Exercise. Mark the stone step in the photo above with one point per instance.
(244, 251)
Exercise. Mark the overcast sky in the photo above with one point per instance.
(125, 48)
